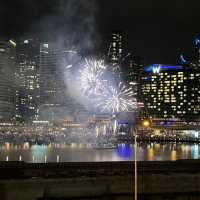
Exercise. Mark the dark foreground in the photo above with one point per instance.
(100, 180)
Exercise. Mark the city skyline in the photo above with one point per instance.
(99, 99)
(40, 68)
(67, 76)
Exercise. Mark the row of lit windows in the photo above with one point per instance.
(179, 75)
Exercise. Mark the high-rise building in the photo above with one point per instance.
(51, 90)
(171, 92)
(27, 79)
(116, 48)
(56, 102)
(131, 71)
(7, 83)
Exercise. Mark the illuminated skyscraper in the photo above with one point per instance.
(124, 65)
(131, 71)
(115, 53)
(51, 90)
(55, 100)
(7, 83)
(171, 91)
(27, 79)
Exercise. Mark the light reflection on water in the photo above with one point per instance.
(82, 152)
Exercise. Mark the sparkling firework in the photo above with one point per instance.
(120, 99)
(104, 95)
(91, 77)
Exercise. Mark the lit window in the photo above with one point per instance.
(46, 45)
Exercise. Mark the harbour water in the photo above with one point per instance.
(58, 152)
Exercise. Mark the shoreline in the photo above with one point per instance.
(100, 180)
(102, 168)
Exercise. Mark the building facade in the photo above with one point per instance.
(56, 62)
(131, 72)
(7, 82)
(51, 90)
(171, 92)
(27, 79)
(116, 48)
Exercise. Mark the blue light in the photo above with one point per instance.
(183, 60)
(123, 123)
(195, 151)
(124, 150)
(169, 123)
(156, 68)
(196, 42)
(151, 67)
(148, 78)
(165, 122)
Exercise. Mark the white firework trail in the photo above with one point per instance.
(91, 77)
(115, 126)
(120, 99)
(105, 96)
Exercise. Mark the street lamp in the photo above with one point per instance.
(135, 155)
(146, 123)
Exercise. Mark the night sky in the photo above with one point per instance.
(157, 29)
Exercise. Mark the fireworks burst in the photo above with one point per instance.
(91, 77)
(103, 94)
(120, 99)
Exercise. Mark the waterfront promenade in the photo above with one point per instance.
(100, 180)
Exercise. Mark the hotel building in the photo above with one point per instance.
(171, 92)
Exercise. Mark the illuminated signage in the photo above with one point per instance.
(156, 68)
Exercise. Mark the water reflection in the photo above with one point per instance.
(57, 158)
(173, 155)
(195, 151)
(150, 154)
(39, 152)
(124, 151)
(84, 152)
(7, 158)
